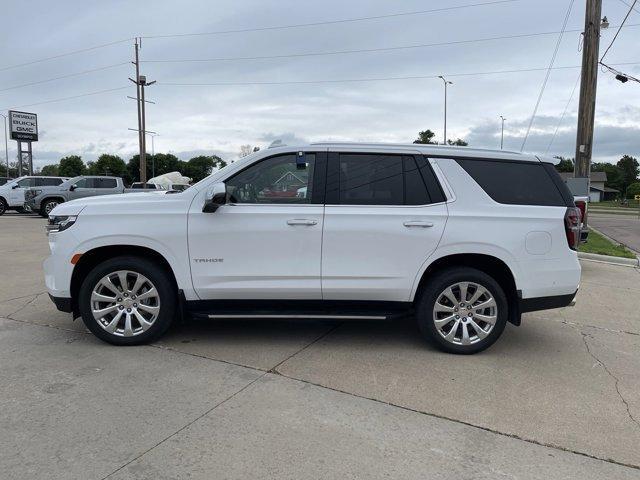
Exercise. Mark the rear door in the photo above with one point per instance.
(385, 214)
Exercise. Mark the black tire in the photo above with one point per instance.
(45, 204)
(3, 206)
(157, 275)
(434, 289)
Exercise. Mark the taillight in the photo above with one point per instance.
(582, 205)
(572, 219)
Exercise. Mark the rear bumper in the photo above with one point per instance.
(546, 303)
(63, 304)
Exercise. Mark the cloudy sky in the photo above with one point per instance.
(250, 101)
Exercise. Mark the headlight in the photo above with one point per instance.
(59, 223)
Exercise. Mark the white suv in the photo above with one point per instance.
(464, 239)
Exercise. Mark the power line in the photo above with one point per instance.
(363, 50)
(378, 79)
(630, 6)
(618, 31)
(64, 76)
(67, 98)
(333, 22)
(546, 77)
(82, 50)
(304, 82)
(564, 112)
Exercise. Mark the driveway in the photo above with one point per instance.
(558, 397)
(624, 229)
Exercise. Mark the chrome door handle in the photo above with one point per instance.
(302, 221)
(418, 224)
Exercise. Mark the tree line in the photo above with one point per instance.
(622, 175)
(196, 168)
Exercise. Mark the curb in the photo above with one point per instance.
(629, 262)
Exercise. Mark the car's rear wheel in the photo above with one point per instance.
(47, 206)
(462, 310)
(127, 301)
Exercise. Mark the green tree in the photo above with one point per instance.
(425, 137)
(629, 170)
(201, 166)
(162, 163)
(633, 190)
(108, 165)
(133, 170)
(614, 175)
(71, 166)
(458, 142)
(565, 165)
(50, 170)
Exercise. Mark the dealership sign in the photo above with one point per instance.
(23, 126)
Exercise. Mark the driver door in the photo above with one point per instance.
(265, 243)
(82, 188)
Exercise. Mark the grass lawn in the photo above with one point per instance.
(596, 243)
(633, 204)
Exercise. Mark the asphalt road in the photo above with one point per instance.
(623, 228)
(558, 397)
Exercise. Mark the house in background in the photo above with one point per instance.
(597, 191)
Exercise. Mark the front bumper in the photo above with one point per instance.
(63, 304)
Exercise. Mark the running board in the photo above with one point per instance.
(297, 309)
(320, 317)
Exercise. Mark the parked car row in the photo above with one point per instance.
(42, 194)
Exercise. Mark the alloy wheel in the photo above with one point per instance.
(125, 303)
(50, 206)
(465, 313)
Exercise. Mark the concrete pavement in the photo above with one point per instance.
(557, 397)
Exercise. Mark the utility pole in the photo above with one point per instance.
(141, 82)
(588, 84)
(446, 82)
(502, 132)
(6, 143)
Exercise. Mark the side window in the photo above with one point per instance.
(430, 180)
(38, 182)
(365, 179)
(282, 179)
(105, 182)
(27, 182)
(515, 183)
(82, 183)
(50, 182)
(415, 190)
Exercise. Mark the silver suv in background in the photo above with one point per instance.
(43, 200)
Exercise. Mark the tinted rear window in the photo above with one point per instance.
(514, 183)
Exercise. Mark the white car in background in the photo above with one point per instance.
(12, 192)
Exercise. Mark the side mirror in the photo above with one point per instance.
(72, 188)
(14, 187)
(216, 196)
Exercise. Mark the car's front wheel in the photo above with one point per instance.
(47, 206)
(462, 310)
(3, 206)
(127, 301)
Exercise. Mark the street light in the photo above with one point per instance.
(502, 132)
(446, 82)
(6, 145)
(153, 153)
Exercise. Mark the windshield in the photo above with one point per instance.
(248, 157)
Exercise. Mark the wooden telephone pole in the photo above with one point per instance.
(588, 84)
